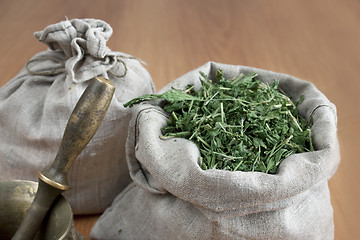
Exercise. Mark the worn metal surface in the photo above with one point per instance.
(15, 199)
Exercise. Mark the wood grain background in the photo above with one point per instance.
(316, 40)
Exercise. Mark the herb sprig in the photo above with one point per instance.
(238, 124)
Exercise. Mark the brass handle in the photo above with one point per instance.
(83, 123)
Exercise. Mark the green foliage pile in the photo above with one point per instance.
(238, 124)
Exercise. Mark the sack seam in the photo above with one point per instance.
(323, 105)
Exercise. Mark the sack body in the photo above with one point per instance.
(36, 104)
(173, 198)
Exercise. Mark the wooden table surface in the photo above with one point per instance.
(316, 40)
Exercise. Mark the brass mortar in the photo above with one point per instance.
(15, 199)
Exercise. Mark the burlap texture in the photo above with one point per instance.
(173, 198)
(35, 106)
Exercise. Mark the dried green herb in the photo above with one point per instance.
(238, 124)
(172, 95)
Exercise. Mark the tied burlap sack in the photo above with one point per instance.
(35, 106)
(173, 198)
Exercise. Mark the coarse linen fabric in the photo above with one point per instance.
(36, 104)
(171, 197)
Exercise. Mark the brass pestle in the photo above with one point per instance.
(83, 123)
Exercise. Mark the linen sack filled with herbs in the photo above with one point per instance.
(36, 104)
(186, 186)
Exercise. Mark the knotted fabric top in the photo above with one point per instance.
(81, 44)
(90, 35)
